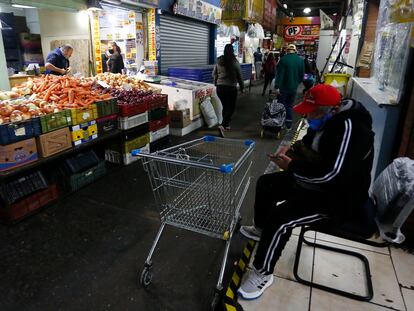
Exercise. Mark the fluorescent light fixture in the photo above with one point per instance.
(94, 5)
(21, 6)
(285, 5)
(306, 10)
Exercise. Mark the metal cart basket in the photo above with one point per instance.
(199, 186)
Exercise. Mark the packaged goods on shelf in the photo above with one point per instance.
(30, 204)
(83, 133)
(18, 131)
(55, 121)
(107, 124)
(126, 123)
(18, 154)
(20, 187)
(54, 142)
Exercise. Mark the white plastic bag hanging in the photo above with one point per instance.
(217, 105)
(208, 112)
(259, 31)
(252, 31)
(234, 31)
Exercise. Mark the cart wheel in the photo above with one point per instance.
(261, 133)
(146, 277)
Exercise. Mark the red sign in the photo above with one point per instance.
(301, 33)
(269, 15)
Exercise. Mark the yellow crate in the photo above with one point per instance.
(135, 143)
(82, 115)
(340, 78)
(84, 132)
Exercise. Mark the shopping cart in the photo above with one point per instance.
(199, 186)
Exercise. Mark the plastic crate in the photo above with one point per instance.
(159, 101)
(107, 124)
(160, 144)
(133, 108)
(117, 157)
(28, 205)
(18, 131)
(155, 125)
(82, 115)
(125, 123)
(156, 135)
(158, 113)
(79, 180)
(83, 133)
(135, 143)
(135, 132)
(55, 121)
(20, 187)
(107, 107)
(81, 162)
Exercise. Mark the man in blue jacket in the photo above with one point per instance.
(325, 178)
(289, 74)
(57, 62)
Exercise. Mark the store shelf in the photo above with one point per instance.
(371, 88)
(43, 161)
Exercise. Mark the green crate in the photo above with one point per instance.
(107, 107)
(135, 143)
(157, 114)
(77, 181)
(55, 121)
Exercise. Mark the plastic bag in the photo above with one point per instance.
(252, 31)
(393, 192)
(223, 30)
(208, 112)
(234, 31)
(217, 105)
(259, 31)
(274, 114)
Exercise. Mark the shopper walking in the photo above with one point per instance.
(289, 74)
(115, 62)
(226, 75)
(258, 63)
(269, 69)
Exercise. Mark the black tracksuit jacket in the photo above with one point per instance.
(342, 175)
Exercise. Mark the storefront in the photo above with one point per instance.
(303, 32)
(187, 33)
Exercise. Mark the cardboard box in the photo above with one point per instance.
(54, 142)
(179, 118)
(18, 154)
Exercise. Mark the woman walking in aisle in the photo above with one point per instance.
(269, 71)
(226, 75)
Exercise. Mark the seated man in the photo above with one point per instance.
(325, 178)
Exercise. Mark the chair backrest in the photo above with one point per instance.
(393, 193)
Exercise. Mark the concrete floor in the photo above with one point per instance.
(86, 251)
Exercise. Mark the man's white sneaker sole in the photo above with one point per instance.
(249, 235)
(257, 294)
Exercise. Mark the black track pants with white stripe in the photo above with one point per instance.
(277, 222)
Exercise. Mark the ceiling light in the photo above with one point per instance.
(334, 14)
(20, 6)
(285, 5)
(94, 5)
(306, 10)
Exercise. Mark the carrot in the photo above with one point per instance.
(71, 96)
(47, 95)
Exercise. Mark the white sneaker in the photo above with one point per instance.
(254, 284)
(251, 232)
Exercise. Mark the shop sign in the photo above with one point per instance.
(152, 45)
(199, 10)
(233, 9)
(269, 15)
(301, 32)
(97, 42)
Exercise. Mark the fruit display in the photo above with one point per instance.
(130, 97)
(23, 109)
(117, 80)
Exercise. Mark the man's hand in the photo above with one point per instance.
(283, 150)
(62, 71)
(68, 70)
(283, 161)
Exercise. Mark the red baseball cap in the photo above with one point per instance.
(319, 95)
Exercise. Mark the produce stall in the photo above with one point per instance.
(50, 127)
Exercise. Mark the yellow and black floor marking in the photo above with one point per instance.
(230, 297)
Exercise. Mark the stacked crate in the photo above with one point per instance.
(133, 121)
(158, 121)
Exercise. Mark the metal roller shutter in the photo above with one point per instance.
(183, 43)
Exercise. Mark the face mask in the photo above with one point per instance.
(111, 51)
(317, 124)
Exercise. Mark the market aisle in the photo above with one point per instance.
(84, 253)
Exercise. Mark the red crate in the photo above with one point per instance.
(155, 125)
(132, 109)
(160, 101)
(29, 204)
